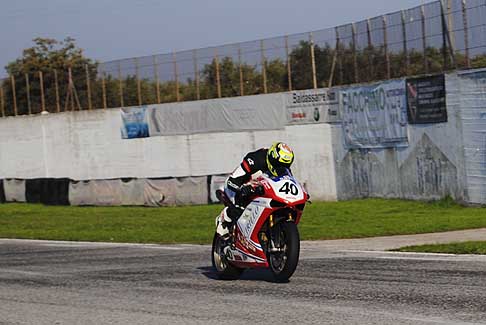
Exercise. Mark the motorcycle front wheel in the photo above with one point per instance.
(220, 262)
(283, 262)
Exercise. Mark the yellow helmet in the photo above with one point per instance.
(279, 158)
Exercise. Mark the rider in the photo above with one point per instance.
(274, 161)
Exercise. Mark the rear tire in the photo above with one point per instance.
(283, 264)
(220, 262)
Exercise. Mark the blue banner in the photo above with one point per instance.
(375, 116)
(135, 124)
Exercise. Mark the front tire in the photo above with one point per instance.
(283, 263)
(220, 262)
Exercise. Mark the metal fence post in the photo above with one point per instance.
(2, 99)
(103, 89)
(334, 60)
(88, 88)
(450, 23)
(424, 40)
(240, 67)
(264, 64)
(340, 61)
(27, 84)
(196, 74)
(69, 92)
(289, 68)
(156, 76)
(313, 61)
(218, 80)
(43, 100)
(176, 77)
(445, 36)
(14, 96)
(72, 94)
(370, 50)
(139, 84)
(355, 54)
(405, 47)
(466, 33)
(56, 88)
(385, 46)
(120, 84)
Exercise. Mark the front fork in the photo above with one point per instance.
(270, 238)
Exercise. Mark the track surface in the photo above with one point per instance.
(44, 282)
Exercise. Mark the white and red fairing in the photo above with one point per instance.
(248, 252)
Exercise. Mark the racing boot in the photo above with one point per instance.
(224, 224)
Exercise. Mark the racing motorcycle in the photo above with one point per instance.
(266, 234)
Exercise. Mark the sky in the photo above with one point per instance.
(116, 29)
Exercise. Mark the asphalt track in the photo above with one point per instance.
(336, 282)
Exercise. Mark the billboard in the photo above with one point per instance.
(426, 100)
(134, 122)
(374, 116)
(311, 106)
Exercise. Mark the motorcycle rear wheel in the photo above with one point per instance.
(283, 264)
(220, 262)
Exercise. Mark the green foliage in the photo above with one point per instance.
(470, 247)
(321, 220)
(48, 55)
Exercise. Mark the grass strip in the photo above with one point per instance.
(195, 224)
(470, 247)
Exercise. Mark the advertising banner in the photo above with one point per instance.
(262, 112)
(311, 106)
(135, 124)
(426, 100)
(375, 116)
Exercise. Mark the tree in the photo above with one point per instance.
(229, 77)
(277, 79)
(48, 56)
(301, 65)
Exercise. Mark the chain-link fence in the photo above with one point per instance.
(431, 38)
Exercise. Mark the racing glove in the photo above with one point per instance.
(246, 191)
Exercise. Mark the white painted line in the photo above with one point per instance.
(58, 243)
(418, 256)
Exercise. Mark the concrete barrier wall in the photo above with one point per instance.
(87, 146)
(430, 167)
(440, 159)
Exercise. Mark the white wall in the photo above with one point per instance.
(430, 167)
(87, 145)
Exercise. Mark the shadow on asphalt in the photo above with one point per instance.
(248, 275)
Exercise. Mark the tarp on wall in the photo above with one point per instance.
(375, 116)
(192, 190)
(14, 190)
(129, 191)
(55, 191)
(473, 108)
(95, 192)
(80, 193)
(2, 192)
(159, 192)
(33, 188)
(263, 112)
